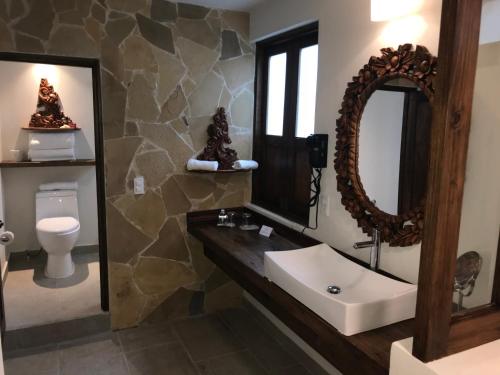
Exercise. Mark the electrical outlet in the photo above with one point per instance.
(139, 185)
(325, 204)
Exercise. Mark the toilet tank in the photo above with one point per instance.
(56, 203)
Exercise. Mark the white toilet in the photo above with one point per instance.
(57, 229)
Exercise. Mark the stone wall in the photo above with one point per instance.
(165, 68)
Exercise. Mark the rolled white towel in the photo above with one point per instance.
(42, 141)
(202, 165)
(59, 186)
(47, 155)
(245, 164)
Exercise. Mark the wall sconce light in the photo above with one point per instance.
(386, 10)
(46, 71)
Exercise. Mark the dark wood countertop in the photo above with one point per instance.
(241, 255)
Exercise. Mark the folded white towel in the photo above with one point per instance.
(48, 155)
(202, 165)
(59, 186)
(245, 164)
(42, 141)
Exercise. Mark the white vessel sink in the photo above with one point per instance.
(367, 300)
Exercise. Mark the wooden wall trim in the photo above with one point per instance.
(458, 49)
(495, 298)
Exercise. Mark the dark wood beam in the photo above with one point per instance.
(458, 49)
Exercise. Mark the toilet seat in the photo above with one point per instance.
(58, 225)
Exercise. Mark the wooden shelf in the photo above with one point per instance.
(52, 163)
(221, 171)
(51, 130)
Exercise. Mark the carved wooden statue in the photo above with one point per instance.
(49, 112)
(218, 136)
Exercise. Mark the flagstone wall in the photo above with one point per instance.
(165, 68)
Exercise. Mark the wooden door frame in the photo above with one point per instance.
(94, 65)
(437, 332)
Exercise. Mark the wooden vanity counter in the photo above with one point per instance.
(241, 255)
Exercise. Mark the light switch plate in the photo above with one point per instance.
(139, 185)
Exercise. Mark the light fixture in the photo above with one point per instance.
(46, 71)
(386, 10)
(403, 30)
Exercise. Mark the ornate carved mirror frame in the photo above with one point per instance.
(417, 65)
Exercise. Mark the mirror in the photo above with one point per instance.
(383, 141)
(394, 139)
(480, 221)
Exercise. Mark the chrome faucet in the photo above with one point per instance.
(375, 248)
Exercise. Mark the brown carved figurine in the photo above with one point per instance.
(49, 112)
(218, 136)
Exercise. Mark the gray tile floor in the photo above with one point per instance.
(31, 299)
(232, 342)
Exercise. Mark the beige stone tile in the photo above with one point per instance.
(205, 98)
(156, 33)
(174, 106)
(141, 102)
(238, 72)
(137, 54)
(147, 213)
(157, 275)
(238, 21)
(39, 20)
(126, 300)
(71, 41)
(175, 199)
(118, 155)
(165, 137)
(242, 110)
(170, 243)
(196, 186)
(154, 166)
(124, 239)
(198, 130)
(198, 31)
(171, 72)
(198, 59)
(130, 6)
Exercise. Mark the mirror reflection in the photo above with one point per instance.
(394, 140)
(480, 221)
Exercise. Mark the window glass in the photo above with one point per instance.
(276, 94)
(306, 101)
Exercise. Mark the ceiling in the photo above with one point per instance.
(243, 5)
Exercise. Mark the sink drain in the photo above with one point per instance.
(333, 289)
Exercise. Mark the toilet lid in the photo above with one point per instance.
(58, 224)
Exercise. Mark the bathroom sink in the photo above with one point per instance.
(363, 299)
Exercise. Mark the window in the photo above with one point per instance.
(285, 87)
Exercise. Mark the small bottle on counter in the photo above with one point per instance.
(222, 218)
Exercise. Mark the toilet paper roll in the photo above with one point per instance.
(6, 238)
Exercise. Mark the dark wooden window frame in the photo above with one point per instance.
(295, 39)
(94, 65)
(437, 332)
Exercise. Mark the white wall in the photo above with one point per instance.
(490, 29)
(380, 148)
(347, 39)
(18, 98)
